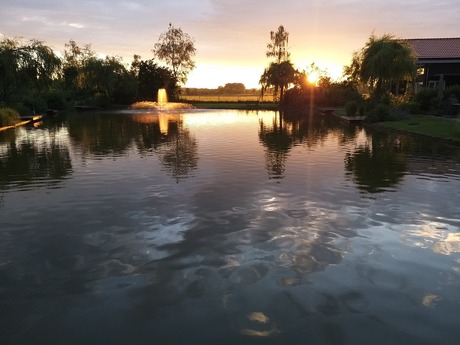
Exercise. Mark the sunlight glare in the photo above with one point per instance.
(313, 78)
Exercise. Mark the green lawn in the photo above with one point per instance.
(437, 127)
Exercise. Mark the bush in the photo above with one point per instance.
(337, 94)
(398, 113)
(380, 113)
(351, 108)
(8, 117)
(33, 103)
(427, 100)
(453, 90)
(101, 100)
(56, 99)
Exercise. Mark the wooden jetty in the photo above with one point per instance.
(352, 120)
(348, 120)
(24, 121)
(31, 118)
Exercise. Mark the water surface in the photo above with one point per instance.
(204, 227)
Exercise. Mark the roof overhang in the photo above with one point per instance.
(424, 61)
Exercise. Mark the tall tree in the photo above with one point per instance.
(280, 73)
(75, 60)
(383, 63)
(278, 45)
(177, 49)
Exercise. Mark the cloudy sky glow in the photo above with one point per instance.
(230, 35)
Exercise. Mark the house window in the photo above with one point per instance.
(432, 84)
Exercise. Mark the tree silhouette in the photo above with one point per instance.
(177, 49)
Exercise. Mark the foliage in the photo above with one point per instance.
(300, 96)
(280, 73)
(383, 64)
(278, 46)
(56, 99)
(232, 88)
(280, 76)
(101, 81)
(338, 94)
(427, 100)
(152, 78)
(453, 90)
(177, 49)
(379, 113)
(8, 117)
(351, 108)
(383, 112)
(25, 68)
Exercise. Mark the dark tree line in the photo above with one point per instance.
(34, 77)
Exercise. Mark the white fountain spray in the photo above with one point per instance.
(162, 98)
(161, 104)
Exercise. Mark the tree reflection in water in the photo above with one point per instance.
(25, 161)
(163, 134)
(378, 164)
(288, 129)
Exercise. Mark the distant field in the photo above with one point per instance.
(227, 98)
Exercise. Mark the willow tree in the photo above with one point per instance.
(26, 68)
(177, 49)
(383, 63)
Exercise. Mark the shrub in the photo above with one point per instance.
(380, 113)
(453, 90)
(427, 99)
(398, 113)
(351, 107)
(101, 100)
(337, 94)
(33, 103)
(56, 99)
(8, 117)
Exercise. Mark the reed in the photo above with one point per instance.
(8, 117)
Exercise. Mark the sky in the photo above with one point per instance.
(230, 36)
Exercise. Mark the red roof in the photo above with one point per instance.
(436, 48)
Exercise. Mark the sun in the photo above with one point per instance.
(313, 78)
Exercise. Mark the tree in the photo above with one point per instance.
(75, 60)
(280, 76)
(26, 69)
(383, 63)
(153, 77)
(177, 50)
(278, 47)
(233, 88)
(280, 73)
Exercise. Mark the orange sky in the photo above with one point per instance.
(230, 35)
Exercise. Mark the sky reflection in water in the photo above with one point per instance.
(226, 226)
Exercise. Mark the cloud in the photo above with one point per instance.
(229, 32)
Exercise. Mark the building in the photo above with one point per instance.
(438, 59)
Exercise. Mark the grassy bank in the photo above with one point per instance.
(236, 105)
(435, 127)
(227, 98)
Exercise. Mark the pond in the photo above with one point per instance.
(212, 226)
